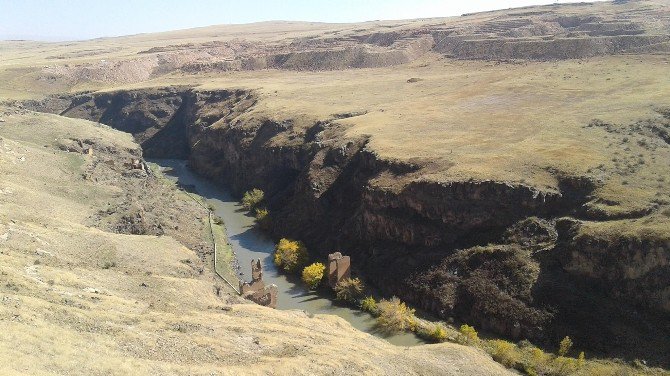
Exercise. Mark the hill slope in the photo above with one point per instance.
(78, 299)
(508, 168)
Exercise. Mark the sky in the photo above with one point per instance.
(58, 20)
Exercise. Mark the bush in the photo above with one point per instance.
(262, 218)
(349, 290)
(395, 316)
(581, 359)
(290, 255)
(439, 333)
(538, 357)
(369, 304)
(107, 259)
(313, 274)
(564, 366)
(432, 332)
(503, 352)
(468, 335)
(565, 346)
(537, 362)
(252, 198)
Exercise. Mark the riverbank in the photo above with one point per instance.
(248, 242)
(79, 297)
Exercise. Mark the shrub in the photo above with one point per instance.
(394, 315)
(439, 333)
(565, 346)
(538, 362)
(564, 366)
(369, 304)
(262, 218)
(433, 332)
(530, 371)
(252, 198)
(468, 335)
(290, 255)
(580, 360)
(503, 352)
(107, 259)
(349, 290)
(538, 356)
(313, 274)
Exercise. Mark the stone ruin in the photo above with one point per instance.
(256, 291)
(339, 268)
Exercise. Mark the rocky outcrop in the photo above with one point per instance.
(483, 251)
(640, 274)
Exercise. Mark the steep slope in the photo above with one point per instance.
(76, 298)
(505, 168)
(516, 259)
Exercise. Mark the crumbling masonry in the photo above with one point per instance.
(256, 291)
(339, 268)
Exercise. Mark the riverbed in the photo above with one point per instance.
(249, 243)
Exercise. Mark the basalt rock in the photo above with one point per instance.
(488, 252)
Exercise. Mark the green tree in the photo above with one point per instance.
(468, 335)
(313, 274)
(349, 290)
(369, 304)
(565, 346)
(262, 218)
(290, 255)
(395, 315)
(252, 198)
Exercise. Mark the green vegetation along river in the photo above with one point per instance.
(249, 243)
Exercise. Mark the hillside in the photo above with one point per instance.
(507, 168)
(146, 304)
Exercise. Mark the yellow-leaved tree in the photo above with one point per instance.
(290, 255)
(395, 316)
(252, 198)
(313, 274)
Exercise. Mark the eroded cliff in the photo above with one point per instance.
(486, 251)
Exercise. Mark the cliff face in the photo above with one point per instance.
(488, 252)
(640, 271)
(74, 281)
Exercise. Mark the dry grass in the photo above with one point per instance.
(154, 311)
(518, 122)
(522, 123)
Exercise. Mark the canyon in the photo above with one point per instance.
(491, 252)
(506, 169)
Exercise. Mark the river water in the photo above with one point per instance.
(250, 243)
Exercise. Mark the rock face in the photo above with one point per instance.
(489, 252)
(74, 284)
(552, 32)
(640, 272)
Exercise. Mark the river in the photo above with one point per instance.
(249, 243)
